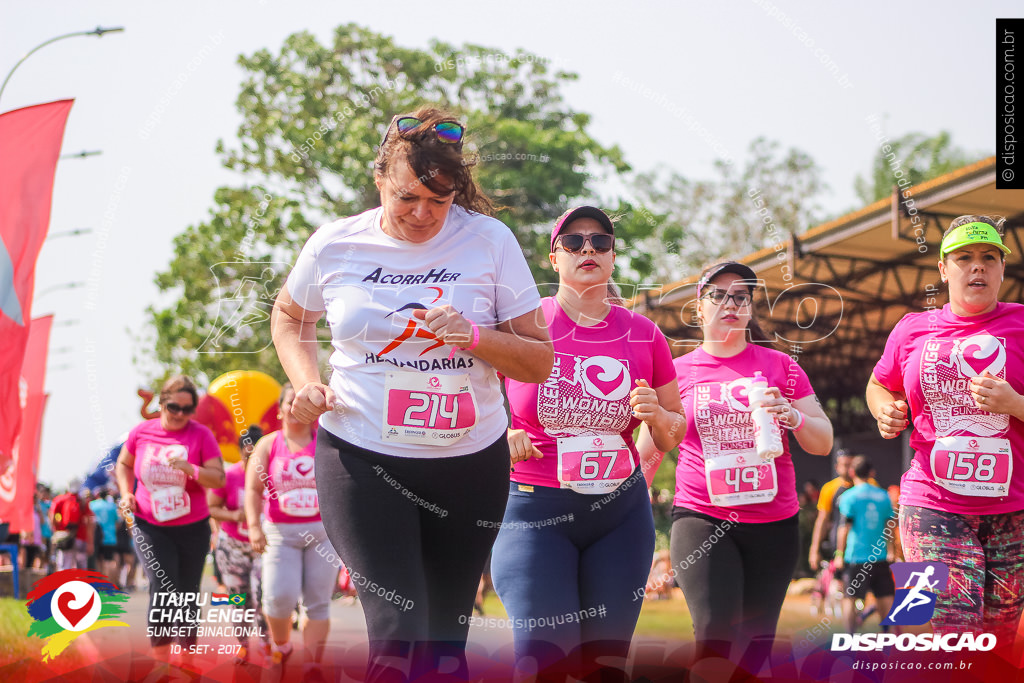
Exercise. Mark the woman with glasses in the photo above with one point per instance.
(162, 470)
(735, 531)
(575, 545)
(425, 298)
(958, 373)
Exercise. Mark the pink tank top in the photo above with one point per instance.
(290, 495)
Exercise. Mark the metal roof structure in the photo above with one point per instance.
(833, 294)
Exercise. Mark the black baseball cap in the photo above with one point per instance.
(714, 271)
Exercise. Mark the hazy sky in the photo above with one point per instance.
(674, 84)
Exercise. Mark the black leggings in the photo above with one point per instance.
(734, 576)
(414, 534)
(173, 558)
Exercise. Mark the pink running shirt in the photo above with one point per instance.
(931, 356)
(290, 496)
(233, 495)
(163, 494)
(714, 393)
(587, 392)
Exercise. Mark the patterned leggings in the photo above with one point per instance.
(985, 556)
(242, 571)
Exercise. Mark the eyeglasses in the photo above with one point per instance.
(448, 132)
(601, 242)
(720, 296)
(175, 409)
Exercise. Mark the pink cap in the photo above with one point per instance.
(581, 212)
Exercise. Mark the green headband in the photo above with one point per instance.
(971, 233)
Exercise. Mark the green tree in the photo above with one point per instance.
(741, 209)
(918, 156)
(312, 117)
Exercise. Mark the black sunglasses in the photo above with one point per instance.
(719, 296)
(448, 132)
(175, 409)
(601, 242)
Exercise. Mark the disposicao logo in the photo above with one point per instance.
(917, 583)
(71, 602)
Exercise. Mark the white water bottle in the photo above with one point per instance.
(767, 439)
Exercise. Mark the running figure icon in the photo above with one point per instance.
(914, 598)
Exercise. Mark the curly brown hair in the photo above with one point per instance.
(441, 167)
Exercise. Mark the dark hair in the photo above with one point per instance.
(176, 384)
(432, 161)
(285, 388)
(861, 467)
(971, 218)
(250, 436)
(755, 333)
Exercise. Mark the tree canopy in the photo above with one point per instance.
(312, 117)
(919, 156)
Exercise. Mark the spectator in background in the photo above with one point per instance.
(812, 489)
(127, 563)
(32, 539)
(105, 510)
(45, 501)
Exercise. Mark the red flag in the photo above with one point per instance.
(18, 481)
(30, 140)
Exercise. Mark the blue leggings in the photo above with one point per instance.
(571, 568)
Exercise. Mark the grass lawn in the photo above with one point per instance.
(14, 623)
(15, 644)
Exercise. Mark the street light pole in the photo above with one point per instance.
(98, 32)
(54, 288)
(68, 233)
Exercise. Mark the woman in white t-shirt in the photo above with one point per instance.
(425, 297)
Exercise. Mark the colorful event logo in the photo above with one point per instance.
(916, 586)
(71, 602)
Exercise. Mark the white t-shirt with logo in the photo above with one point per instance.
(398, 392)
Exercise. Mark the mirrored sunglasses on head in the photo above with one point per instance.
(448, 132)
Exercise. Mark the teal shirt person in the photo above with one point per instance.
(867, 509)
(106, 518)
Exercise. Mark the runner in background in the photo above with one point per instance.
(863, 545)
(959, 371)
(162, 471)
(72, 524)
(425, 297)
(735, 535)
(105, 510)
(240, 565)
(578, 532)
(823, 540)
(280, 490)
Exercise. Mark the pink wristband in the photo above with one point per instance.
(476, 337)
(476, 340)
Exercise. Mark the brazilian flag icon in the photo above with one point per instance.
(237, 599)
